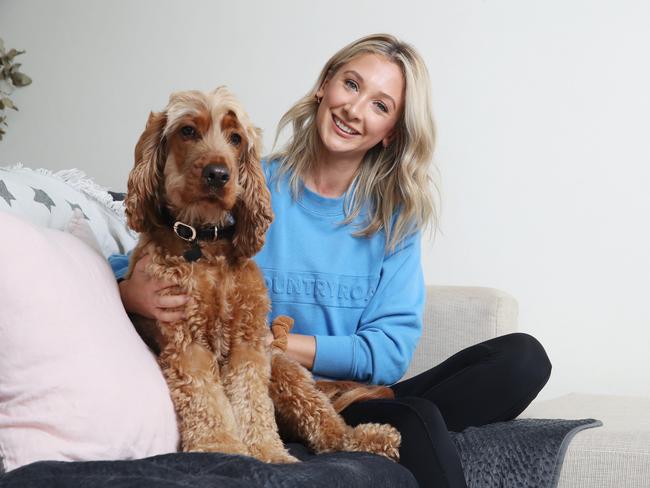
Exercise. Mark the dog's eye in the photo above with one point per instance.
(189, 132)
(235, 139)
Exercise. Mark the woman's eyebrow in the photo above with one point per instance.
(381, 94)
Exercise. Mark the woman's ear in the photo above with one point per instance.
(390, 137)
(321, 90)
(145, 180)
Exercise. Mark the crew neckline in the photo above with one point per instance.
(316, 203)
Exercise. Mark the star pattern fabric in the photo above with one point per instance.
(65, 194)
(5, 193)
(41, 197)
(76, 205)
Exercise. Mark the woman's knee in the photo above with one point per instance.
(526, 358)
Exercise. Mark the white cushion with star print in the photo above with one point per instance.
(49, 199)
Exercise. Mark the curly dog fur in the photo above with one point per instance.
(198, 162)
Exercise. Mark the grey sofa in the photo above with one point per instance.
(615, 455)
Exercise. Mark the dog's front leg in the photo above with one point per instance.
(246, 380)
(302, 411)
(205, 415)
(306, 413)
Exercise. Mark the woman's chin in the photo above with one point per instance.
(345, 148)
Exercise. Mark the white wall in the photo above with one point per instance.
(543, 110)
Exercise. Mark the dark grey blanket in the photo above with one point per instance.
(525, 453)
(521, 453)
(213, 470)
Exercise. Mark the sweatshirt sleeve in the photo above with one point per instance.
(389, 329)
(119, 264)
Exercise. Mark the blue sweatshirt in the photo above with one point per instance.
(362, 304)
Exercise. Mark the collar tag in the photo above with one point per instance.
(184, 231)
(193, 253)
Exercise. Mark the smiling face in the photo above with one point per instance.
(360, 106)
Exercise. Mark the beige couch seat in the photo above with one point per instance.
(616, 455)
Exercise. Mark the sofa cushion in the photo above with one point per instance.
(76, 381)
(615, 455)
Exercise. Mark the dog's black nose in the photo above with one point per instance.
(216, 175)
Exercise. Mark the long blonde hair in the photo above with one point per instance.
(395, 184)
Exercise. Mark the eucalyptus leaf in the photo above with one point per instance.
(6, 102)
(20, 79)
(13, 53)
(2, 45)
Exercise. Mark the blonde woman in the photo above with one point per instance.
(351, 193)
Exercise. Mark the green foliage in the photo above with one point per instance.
(10, 78)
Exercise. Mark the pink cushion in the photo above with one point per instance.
(76, 381)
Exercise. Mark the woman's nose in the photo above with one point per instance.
(352, 109)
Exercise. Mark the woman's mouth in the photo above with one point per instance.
(342, 128)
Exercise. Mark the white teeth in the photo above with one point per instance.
(343, 127)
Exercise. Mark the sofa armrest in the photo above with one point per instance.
(456, 317)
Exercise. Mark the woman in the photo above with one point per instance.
(351, 193)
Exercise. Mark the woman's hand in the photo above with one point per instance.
(144, 296)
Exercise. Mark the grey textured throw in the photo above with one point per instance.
(520, 453)
(525, 453)
(214, 470)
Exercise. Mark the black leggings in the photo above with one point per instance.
(489, 382)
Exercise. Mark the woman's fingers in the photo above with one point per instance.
(163, 315)
(171, 301)
(169, 308)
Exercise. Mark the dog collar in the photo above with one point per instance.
(207, 233)
(193, 234)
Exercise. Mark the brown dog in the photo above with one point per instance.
(198, 197)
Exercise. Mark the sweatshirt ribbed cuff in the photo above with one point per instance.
(334, 357)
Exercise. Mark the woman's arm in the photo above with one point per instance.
(302, 348)
(389, 328)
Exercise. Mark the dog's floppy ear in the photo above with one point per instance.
(253, 209)
(146, 177)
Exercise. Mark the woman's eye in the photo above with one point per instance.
(351, 84)
(189, 132)
(381, 106)
(235, 139)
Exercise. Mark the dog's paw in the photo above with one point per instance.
(279, 456)
(230, 447)
(381, 439)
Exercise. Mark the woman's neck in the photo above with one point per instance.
(331, 177)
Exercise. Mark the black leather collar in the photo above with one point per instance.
(193, 234)
(207, 233)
